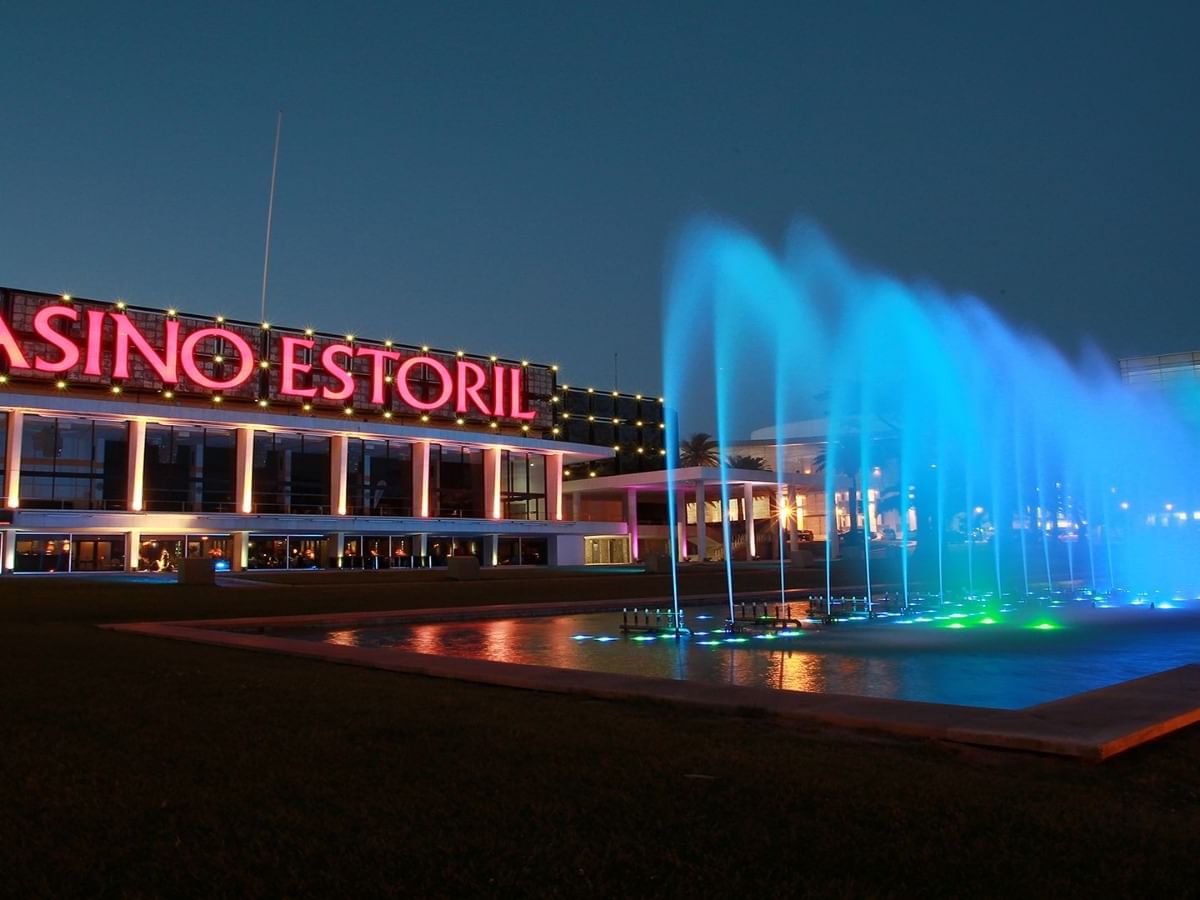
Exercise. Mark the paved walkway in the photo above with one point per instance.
(1094, 725)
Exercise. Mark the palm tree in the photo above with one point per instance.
(699, 450)
(740, 461)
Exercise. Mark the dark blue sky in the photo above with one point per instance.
(507, 177)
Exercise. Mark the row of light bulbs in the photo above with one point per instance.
(171, 312)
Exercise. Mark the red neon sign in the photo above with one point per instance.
(90, 343)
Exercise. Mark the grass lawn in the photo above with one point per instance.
(138, 767)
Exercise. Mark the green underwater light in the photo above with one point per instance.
(1045, 626)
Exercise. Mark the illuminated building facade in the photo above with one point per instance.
(131, 438)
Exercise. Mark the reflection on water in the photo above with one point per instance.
(1010, 662)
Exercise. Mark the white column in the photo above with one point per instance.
(338, 453)
(244, 488)
(335, 547)
(793, 522)
(420, 471)
(748, 515)
(631, 519)
(491, 482)
(681, 525)
(10, 549)
(241, 550)
(12, 463)
(133, 541)
(701, 531)
(137, 461)
(554, 478)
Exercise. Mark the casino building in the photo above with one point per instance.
(131, 438)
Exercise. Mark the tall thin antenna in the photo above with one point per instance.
(270, 215)
(616, 386)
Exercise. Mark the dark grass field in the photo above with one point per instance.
(137, 767)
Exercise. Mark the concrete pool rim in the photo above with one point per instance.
(1093, 725)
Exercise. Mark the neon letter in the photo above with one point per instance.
(518, 397)
(469, 389)
(377, 370)
(66, 346)
(166, 365)
(192, 370)
(9, 345)
(498, 380)
(330, 365)
(95, 341)
(291, 368)
(406, 393)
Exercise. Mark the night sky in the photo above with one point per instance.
(508, 177)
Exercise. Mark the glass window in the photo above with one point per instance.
(455, 482)
(291, 473)
(523, 485)
(189, 469)
(74, 463)
(379, 478)
(43, 553)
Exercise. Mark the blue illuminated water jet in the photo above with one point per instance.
(994, 465)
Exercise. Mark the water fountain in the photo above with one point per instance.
(1013, 470)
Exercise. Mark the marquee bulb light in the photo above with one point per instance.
(307, 407)
(172, 312)
(459, 421)
(66, 298)
(61, 385)
(616, 393)
(220, 319)
(591, 418)
(266, 326)
(591, 474)
(216, 398)
(591, 390)
(554, 368)
(120, 304)
(116, 389)
(349, 338)
(494, 358)
(3, 379)
(264, 364)
(554, 430)
(167, 395)
(308, 332)
(524, 427)
(638, 396)
(616, 446)
(387, 413)
(349, 410)
(494, 424)
(218, 358)
(639, 423)
(388, 342)
(524, 362)
(641, 449)
(262, 403)
(424, 418)
(460, 354)
(424, 348)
